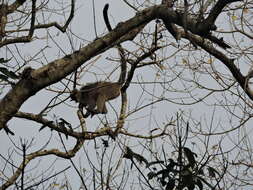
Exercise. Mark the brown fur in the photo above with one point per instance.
(93, 96)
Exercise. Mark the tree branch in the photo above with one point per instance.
(69, 154)
(60, 68)
(28, 38)
(229, 63)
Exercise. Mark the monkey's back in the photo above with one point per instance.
(109, 90)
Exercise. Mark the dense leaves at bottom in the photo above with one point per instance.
(181, 174)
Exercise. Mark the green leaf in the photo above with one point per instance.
(2, 60)
(3, 70)
(4, 78)
(8, 73)
(13, 75)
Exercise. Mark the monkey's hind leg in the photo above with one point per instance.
(90, 109)
(100, 104)
(87, 114)
(80, 108)
(101, 107)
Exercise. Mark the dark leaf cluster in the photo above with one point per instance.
(181, 174)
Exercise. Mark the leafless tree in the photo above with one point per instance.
(183, 57)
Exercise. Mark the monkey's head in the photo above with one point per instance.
(73, 95)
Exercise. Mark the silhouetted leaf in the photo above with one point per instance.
(163, 182)
(8, 131)
(8, 73)
(61, 125)
(170, 185)
(140, 158)
(171, 165)
(13, 75)
(190, 156)
(201, 171)
(151, 175)
(66, 124)
(190, 187)
(2, 60)
(3, 70)
(187, 181)
(154, 162)
(187, 170)
(164, 173)
(212, 171)
(43, 126)
(3, 77)
(131, 167)
(199, 184)
(105, 143)
(130, 155)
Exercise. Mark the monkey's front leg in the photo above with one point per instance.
(87, 114)
(90, 110)
(91, 113)
(81, 109)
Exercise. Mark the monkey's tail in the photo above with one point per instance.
(105, 14)
(123, 61)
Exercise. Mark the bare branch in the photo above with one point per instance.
(69, 154)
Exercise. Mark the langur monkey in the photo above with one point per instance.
(93, 96)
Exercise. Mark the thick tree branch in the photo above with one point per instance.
(86, 135)
(60, 68)
(214, 13)
(229, 63)
(201, 28)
